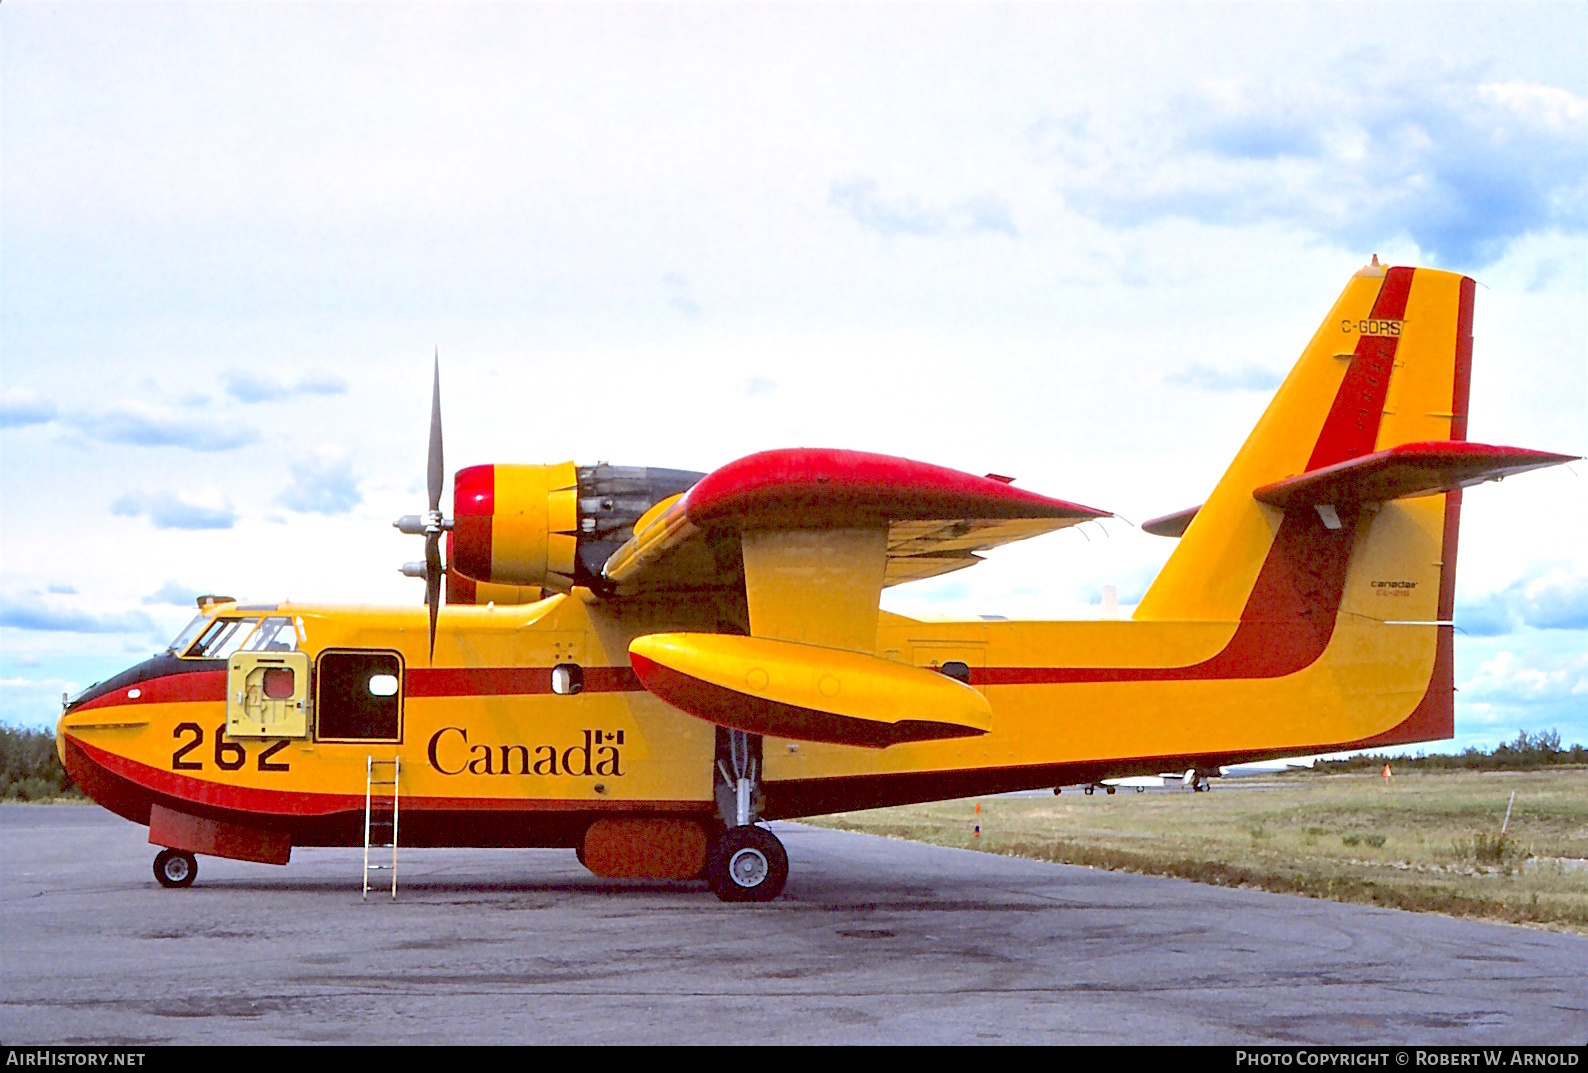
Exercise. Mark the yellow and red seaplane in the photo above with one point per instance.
(644, 665)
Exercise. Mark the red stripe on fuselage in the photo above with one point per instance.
(169, 689)
(1285, 626)
(511, 681)
(210, 686)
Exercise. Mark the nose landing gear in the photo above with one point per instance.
(174, 868)
(745, 863)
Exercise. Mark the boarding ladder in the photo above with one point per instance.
(380, 815)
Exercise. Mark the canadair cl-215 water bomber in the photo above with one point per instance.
(644, 665)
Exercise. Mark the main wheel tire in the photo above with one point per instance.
(174, 868)
(1110, 790)
(746, 864)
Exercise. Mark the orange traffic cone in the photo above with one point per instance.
(1387, 772)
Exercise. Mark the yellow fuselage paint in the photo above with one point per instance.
(1104, 693)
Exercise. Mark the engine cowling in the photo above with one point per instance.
(548, 526)
(464, 590)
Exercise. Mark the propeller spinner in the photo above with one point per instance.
(431, 524)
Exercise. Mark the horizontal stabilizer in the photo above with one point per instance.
(1405, 471)
(785, 689)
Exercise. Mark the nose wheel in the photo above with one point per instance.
(747, 864)
(174, 868)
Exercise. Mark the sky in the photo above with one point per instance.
(1079, 244)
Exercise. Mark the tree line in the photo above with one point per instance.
(29, 768)
(1526, 752)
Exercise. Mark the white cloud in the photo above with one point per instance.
(863, 201)
(1210, 378)
(142, 425)
(22, 612)
(1461, 168)
(178, 510)
(1548, 598)
(19, 407)
(174, 594)
(322, 483)
(251, 386)
(1510, 677)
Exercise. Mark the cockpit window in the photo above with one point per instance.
(274, 635)
(224, 637)
(190, 631)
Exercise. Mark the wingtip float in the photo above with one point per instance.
(643, 664)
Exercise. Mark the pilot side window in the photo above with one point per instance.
(274, 635)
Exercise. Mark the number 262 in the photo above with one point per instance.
(229, 755)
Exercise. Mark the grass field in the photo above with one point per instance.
(1428, 842)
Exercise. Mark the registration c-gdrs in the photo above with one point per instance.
(1372, 326)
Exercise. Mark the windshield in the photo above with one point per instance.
(185, 638)
(224, 636)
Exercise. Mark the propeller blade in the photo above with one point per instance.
(433, 584)
(437, 472)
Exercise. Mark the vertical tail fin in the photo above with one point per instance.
(1390, 364)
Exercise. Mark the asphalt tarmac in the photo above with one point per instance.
(874, 941)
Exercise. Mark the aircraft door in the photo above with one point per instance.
(359, 695)
(267, 695)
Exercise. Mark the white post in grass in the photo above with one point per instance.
(1508, 805)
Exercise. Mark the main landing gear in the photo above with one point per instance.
(174, 868)
(745, 863)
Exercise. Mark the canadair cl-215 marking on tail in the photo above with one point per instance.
(643, 664)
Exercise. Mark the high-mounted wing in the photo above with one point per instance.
(814, 536)
(935, 519)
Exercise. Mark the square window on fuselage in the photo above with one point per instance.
(359, 696)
